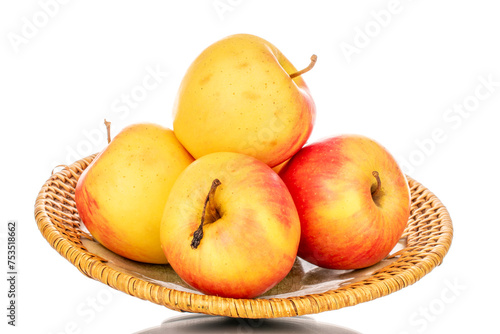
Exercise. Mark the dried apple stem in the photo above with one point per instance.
(108, 129)
(208, 209)
(379, 183)
(314, 58)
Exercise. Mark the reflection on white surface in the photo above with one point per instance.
(199, 323)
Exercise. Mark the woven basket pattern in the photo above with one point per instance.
(429, 234)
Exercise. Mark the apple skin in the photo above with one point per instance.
(121, 195)
(251, 247)
(343, 225)
(237, 96)
(279, 167)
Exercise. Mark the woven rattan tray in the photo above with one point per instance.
(306, 290)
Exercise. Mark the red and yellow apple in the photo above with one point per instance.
(241, 94)
(352, 198)
(230, 227)
(121, 195)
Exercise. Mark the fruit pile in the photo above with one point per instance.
(231, 196)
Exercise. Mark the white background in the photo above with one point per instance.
(402, 81)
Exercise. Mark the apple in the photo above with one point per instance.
(121, 195)
(241, 94)
(280, 166)
(230, 227)
(352, 198)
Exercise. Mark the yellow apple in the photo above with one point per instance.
(121, 195)
(280, 166)
(230, 227)
(241, 94)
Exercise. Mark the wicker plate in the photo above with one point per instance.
(306, 290)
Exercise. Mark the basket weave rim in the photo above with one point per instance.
(58, 221)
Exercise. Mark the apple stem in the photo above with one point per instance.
(379, 183)
(314, 58)
(212, 214)
(108, 129)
